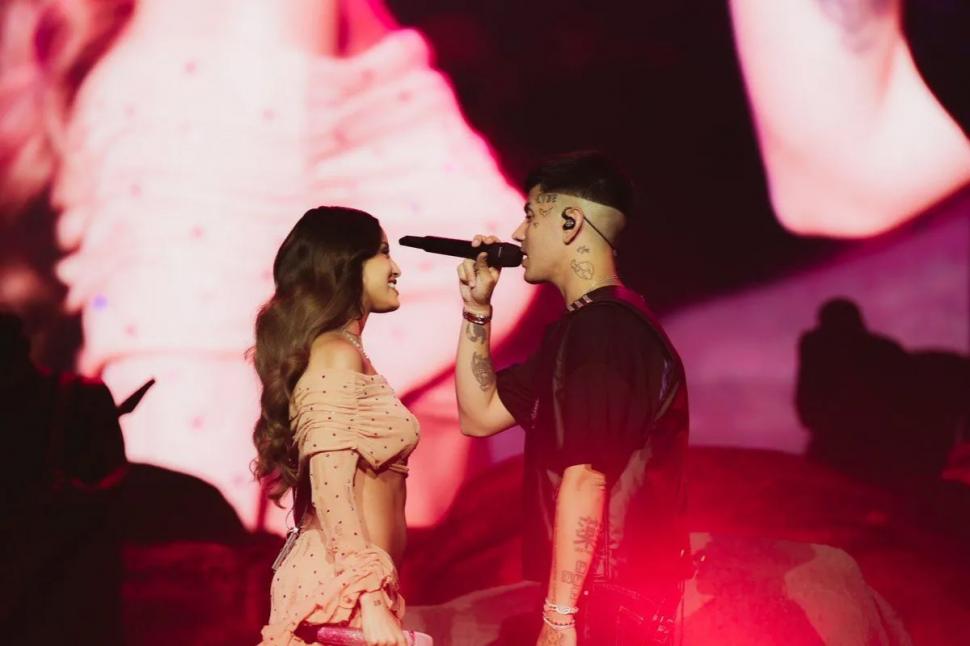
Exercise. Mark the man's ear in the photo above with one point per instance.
(572, 222)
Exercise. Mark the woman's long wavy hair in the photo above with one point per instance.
(318, 274)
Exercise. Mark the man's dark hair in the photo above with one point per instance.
(588, 174)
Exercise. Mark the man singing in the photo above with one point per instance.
(604, 406)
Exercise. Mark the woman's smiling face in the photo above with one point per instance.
(380, 276)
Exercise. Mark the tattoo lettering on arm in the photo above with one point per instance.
(482, 369)
(584, 269)
(586, 534)
(574, 580)
(475, 333)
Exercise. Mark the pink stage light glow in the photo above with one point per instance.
(190, 154)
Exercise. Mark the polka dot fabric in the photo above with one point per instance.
(340, 417)
(342, 409)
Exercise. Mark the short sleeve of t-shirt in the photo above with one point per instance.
(616, 370)
(516, 389)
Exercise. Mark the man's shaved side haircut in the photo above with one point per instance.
(588, 174)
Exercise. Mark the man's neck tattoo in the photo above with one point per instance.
(584, 269)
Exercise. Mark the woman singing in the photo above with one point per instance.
(333, 430)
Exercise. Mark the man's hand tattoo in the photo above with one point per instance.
(584, 269)
(482, 369)
(550, 637)
(475, 333)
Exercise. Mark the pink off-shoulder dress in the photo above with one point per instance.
(339, 418)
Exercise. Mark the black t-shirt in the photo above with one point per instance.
(614, 375)
(606, 388)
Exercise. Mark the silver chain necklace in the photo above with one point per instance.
(355, 340)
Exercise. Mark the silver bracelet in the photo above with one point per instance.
(562, 610)
(558, 627)
(477, 319)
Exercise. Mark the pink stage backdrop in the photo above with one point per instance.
(190, 154)
(204, 130)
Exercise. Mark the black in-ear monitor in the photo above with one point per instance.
(568, 222)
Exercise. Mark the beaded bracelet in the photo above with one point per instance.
(559, 627)
(562, 610)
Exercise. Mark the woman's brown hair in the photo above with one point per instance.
(318, 273)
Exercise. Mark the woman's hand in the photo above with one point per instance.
(379, 625)
(476, 279)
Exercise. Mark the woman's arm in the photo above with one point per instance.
(853, 141)
(368, 571)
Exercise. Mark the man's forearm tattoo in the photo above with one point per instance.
(584, 269)
(475, 333)
(482, 369)
(586, 534)
(575, 580)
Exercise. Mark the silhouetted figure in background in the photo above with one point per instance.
(64, 457)
(874, 410)
(70, 500)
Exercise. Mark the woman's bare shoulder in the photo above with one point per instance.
(332, 350)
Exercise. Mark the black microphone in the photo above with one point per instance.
(500, 254)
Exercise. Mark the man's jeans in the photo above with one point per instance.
(614, 615)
